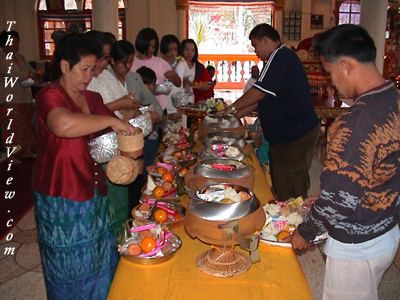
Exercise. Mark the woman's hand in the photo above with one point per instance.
(172, 76)
(122, 126)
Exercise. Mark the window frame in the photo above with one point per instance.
(68, 16)
(350, 13)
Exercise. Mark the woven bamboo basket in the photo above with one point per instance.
(122, 170)
(131, 145)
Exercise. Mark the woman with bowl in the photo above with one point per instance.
(73, 216)
(199, 79)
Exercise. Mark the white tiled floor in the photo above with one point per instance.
(21, 274)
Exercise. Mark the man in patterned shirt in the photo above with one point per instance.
(360, 182)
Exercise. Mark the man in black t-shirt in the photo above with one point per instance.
(282, 98)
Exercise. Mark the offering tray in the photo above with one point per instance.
(182, 157)
(282, 218)
(163, 211)
(224, 137)
(223, 151)
(133, 241)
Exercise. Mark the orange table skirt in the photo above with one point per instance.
(277, 276)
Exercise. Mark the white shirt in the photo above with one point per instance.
(182, 69)
(249, 84)
(109, 87)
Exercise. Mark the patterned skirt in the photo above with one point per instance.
(77, 246)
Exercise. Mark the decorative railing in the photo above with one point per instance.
(231, 70)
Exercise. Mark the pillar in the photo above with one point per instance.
(373, 19)
(105, 16)
(182, 7)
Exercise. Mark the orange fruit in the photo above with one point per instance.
(134, 250)
(147, 244)
(183, 171)
(160, 216)
(282, 235)
(167, 176)
(158, 192)
(161, 170)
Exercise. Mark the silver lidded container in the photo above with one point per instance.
(206, 203)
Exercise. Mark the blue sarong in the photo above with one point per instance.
(77, 246)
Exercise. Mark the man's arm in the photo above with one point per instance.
(246, 103)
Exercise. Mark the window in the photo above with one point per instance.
(224, 27)
(349, 12)
(68, 19)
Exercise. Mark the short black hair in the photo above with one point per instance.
(72, 48)
(147, 74)
(346, 40)
(143, 39)
(264, 30)
(122, 49)
(4, 36)
(100, 37)
(166, 40)
(110, 36)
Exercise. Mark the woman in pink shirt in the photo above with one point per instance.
(147, 44)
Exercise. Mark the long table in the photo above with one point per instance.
(277, 276)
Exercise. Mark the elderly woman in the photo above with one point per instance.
(74, 219)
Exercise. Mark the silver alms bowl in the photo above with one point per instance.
(163, 89)
(205, 168)
(217, 121)
(104, 147)
(219, 150)
(143, 122)
(214, 210)
(225, 137)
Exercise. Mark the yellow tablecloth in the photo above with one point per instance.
(277, 276)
